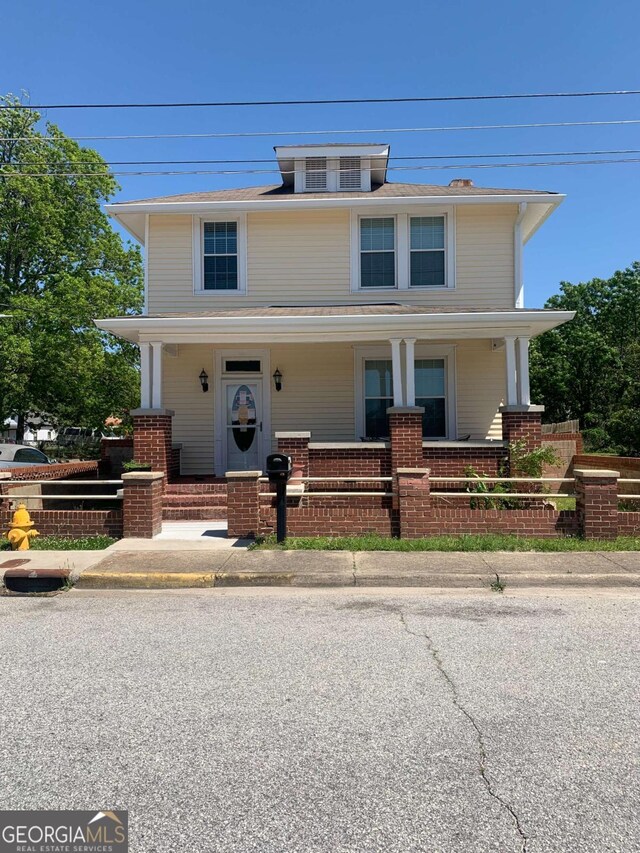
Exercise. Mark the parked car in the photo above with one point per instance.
(18, 455)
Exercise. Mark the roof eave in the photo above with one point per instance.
(365, 327)
(120, 208)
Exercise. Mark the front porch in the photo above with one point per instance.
(218, 389)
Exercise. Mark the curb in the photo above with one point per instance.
(200, 580)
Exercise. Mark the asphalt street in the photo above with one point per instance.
(336, 720)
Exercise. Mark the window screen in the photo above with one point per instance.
(377, 252)
(220, 255)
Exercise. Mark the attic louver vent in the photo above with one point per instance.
(315, 173)
(350, 174)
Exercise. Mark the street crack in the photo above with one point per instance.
(482, 749)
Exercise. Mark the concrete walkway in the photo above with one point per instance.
(175, 567)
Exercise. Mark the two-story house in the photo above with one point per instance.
(316, 305)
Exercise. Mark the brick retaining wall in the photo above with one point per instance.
(452, 461)
(57, 471)
(72, 523)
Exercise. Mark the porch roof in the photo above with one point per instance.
(326, 323)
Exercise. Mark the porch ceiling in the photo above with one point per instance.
(323, 324)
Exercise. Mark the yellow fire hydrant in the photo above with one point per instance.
(21, 529)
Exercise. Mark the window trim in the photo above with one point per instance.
(447, 352)
(198, 223)
(402, 216)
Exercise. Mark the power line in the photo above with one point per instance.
(393, 158)
(321, 101)
(277, 171)
(279, 133)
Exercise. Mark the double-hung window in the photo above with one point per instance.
(431, 388)
(378, 396)
(427, 251)
(220, 256)
(378, 252)
(403, 251)
(433, 393)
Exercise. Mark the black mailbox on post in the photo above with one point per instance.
(278, 467)
(278, 470)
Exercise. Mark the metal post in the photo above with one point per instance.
(281, 511)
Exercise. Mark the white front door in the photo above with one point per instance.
(243, 429)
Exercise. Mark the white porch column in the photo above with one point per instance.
(510, 364)
(524, 395)
(397, 371)
(145, 376)
(410, 373)
(156, 385)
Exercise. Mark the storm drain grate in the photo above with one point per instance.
(25, 582)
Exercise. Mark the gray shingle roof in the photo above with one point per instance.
(384, 308)
(386, 190)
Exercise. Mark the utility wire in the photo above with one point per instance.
(320, 101)
(6, 174)
(279, 133)
(399, 158)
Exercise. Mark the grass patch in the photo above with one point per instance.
(64, 543)
(483, 542)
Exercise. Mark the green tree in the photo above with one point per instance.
(590, 368)
(61, 266)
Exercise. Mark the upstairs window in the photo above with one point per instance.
(427, 247)
(350, 173)
(315, 173)
(220, 256)
(378, 252)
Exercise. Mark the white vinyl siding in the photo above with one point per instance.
(303, 258)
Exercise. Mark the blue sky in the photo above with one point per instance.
(140, 50)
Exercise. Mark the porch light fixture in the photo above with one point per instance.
(277, 380)
(204, 379)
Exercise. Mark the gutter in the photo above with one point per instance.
(517, 256)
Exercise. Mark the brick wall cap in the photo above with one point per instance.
(243, 475)
(596, 473)
(524, 409)
(348, 445)
(293, 435)
(150, 412)
(422, 472)
(460, 445)
(405, 410)
(142, 476)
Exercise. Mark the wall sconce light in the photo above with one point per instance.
(204, 379)
(277, 380)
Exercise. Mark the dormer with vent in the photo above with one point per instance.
(333, 168)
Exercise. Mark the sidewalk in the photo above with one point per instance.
(174, 566)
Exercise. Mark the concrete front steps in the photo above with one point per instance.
(195, 501)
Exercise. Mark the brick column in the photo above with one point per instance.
(405, 431)
(243, 503)
(152, 438)
(142, 504)
(597, 503)
(295, 445)
(522, 423)
(414, 501)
